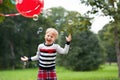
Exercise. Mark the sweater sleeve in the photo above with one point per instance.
(36, 57)
(63, 50)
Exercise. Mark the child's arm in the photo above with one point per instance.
(67, 45)
(34, 58)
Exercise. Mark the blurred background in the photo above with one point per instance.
(20, 35)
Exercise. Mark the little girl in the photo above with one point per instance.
(46, 55)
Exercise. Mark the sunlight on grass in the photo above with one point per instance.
(106, 72)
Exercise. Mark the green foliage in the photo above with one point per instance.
(69, 21)
(19, 37)
(79, 23)
(6, 8)
(107, 40)
(85, 54)
(74, 23)
(106, 6)
(109, 8)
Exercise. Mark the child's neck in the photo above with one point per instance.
(48, 44)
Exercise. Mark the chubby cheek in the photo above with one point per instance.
(45, 38)
(48, 39)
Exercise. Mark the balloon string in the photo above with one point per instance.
(7, 15)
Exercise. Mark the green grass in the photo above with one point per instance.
(106, 72)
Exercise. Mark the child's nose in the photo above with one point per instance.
(49, 37)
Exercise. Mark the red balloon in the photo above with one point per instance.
(1, 1)
(29, 8)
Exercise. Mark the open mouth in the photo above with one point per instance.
(48, 40)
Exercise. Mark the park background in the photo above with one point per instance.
(93, 56)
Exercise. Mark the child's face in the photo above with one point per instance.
(49, 38)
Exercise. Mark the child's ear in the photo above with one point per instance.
(56, 38)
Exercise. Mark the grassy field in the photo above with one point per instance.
(106, 72)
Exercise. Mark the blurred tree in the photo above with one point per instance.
(69, 21)
(109, 8)
(107, 40)
(85, 45)
(20, 36)
(6, 7)
(85, 54)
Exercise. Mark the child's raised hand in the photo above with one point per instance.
(68, 38)
(24, 58)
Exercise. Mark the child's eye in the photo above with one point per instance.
(48, 35)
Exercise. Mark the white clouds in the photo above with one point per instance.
(75, 5)
(60, 2)
(98, 23)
